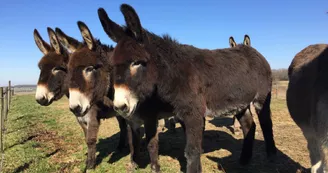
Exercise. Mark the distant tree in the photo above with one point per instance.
(280, 74)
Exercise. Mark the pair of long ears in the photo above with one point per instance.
(116, 32)
(73, 44)
(247, 41)
(44, 47)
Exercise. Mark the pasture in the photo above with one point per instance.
(49, 139)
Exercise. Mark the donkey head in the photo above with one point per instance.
(88, 72)
(51, 85)
(247, 41)
(134, 72)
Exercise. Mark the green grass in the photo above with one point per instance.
(48, 139)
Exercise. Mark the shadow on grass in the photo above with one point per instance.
(22, 142)
(108, 146)
(25, 166)
(173, 145)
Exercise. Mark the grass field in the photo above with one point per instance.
(48, 139)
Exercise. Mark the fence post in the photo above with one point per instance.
(9, 94)
(1, 119)
(6, 104)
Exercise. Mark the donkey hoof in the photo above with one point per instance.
(90, 164)
(155, 169)
(132, 167)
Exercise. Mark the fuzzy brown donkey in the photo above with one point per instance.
(307, 97)
(195, 82)
(53, 85)
(90, 72)
(232, 43)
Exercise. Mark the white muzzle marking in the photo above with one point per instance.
(76, 98)
(43, 92)
(124, 96)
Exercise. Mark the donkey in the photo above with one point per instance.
(232, 43)
(53, 85)
(307, 96)
(90, 72)
(195, 82)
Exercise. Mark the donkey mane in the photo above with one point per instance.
(168, 38)
(104, 49)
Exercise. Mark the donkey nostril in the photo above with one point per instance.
(42, 101)
(124, 108)
(76, 110)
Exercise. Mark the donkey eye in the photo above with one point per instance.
(59, 68)
(137, 63)
(89, 69)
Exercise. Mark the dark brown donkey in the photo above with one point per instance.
(89, 72)
(232, 43)
(53, 84)
(307, 97)
(196, 82)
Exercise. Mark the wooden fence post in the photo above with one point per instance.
(1, 119)
(6, 104)
(9, 94)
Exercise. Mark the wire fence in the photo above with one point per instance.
(6, 94)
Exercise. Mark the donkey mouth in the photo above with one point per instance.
(130, 114)
(45, 102)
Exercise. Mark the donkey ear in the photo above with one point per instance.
(42, 45)
(54, 42)
(247, 40)
(86, 34)
(69, 42)
(133, 22)
(232, 42)
(113, 30)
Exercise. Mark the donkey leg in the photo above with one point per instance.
(194, 128)
(123, 133)
(263, 111)
(314, 151)
(248, 127)
(134, 140)
(320, 123)
(151, 131)
(92, 133)
(83, 126)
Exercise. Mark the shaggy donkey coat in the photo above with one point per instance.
(195, 82)
(307, 101)
(232, 43)
(89, 73)
(53, 84)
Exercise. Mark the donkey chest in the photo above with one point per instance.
(84, 119)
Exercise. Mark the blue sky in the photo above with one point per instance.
(278, 29)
